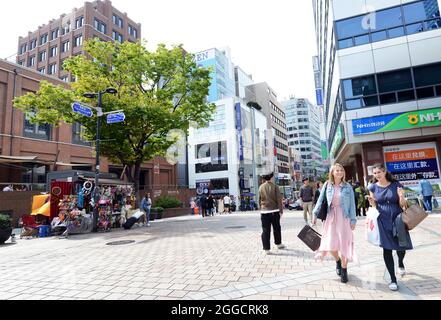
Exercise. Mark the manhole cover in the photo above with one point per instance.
(235, 227)
(120, 243)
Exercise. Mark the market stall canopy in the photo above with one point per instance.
(108, 182)
(41, 205)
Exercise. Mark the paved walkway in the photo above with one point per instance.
(217, 257)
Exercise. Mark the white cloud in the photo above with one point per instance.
(272, 40)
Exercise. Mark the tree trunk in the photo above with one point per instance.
(136, 176)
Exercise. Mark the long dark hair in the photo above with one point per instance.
(389, 176)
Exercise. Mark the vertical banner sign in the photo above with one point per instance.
(239, 129)
(409, 163)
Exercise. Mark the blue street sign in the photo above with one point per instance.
(116, 117)
(82, 109)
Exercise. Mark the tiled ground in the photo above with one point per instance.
(195, 258)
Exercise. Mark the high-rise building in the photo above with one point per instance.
(303, 126)
(46, 48)
(265, 96)
(380, 63)
(222, 72)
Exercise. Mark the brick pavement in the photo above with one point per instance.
(219, 257)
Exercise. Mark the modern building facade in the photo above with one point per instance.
(46, 48)
(265, 96)
(221, 154)
(303, 126)
(222, 72)
(381, 70)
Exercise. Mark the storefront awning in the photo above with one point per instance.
(16, 159)
(73, 165)
(108, 182)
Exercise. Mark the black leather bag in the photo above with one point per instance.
(310, 237)
(323, 212)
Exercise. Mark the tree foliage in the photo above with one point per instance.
(158, 91)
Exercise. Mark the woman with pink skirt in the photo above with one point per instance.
(338, 238)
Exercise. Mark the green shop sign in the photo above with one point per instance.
(397, 121)
(338, 139)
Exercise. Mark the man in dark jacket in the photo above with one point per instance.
(307, 194)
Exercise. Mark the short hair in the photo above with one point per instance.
(268, 177)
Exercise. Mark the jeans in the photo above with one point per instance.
(428, 203)
(269, 219)
(147, 214)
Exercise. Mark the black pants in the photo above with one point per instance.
(269, 219)
(389, 260)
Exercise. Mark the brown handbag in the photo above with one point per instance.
(413, 215)
(310, 237)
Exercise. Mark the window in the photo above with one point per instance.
(42, 70)
(133, 32)
(65, 78)
(43, 39)
(100, 26)
(52, 68)
(21, 62)
(359, 87)
(78, 41)
(79, 22)
(23, 48)
(32, 44)
(389, 23)
(117, 36)
(53, 51)
(217, 152)
(38, 131)
(427, 75)
(117, 21)
(55, 33)
(42, 56)
(31, 61)
(394, 81)
(66, 28)
(65, 46)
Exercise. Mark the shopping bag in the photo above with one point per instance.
(413, 215)
(310, 237)
(372, 232)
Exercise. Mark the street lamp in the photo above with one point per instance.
(254, 105)
(97, 147)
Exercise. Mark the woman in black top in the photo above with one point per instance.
(319, 186)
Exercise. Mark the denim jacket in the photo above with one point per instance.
(347, 200)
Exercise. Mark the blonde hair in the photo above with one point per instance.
(331, 173)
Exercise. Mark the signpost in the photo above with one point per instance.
(116, 118)
(82, 109)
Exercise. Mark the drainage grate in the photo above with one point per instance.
(120, 243)
(235, 227)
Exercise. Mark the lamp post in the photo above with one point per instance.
(97, 148)
(253, 106)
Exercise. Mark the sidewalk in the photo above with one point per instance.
(218, 257)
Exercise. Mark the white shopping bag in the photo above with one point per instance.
(372, 232)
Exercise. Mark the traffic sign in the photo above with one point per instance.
(116, 118)
(82, 109)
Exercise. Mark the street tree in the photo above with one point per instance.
(158, 91)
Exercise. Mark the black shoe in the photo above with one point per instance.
(338, 267)
(344, 275)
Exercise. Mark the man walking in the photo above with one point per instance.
(306, 194)
(427, 192)
(227, 202)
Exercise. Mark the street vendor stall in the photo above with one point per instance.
(73, 202)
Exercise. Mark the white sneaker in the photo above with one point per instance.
(393, 286)
(281, 246)
(402, 271)
(148, 224)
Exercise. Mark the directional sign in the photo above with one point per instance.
(82, 109)
(116, 117)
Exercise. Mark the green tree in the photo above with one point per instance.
(159, 91)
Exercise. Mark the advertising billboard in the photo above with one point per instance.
(409, 163)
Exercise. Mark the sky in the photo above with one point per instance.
(274, 41)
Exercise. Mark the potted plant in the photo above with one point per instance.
(5, 227)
